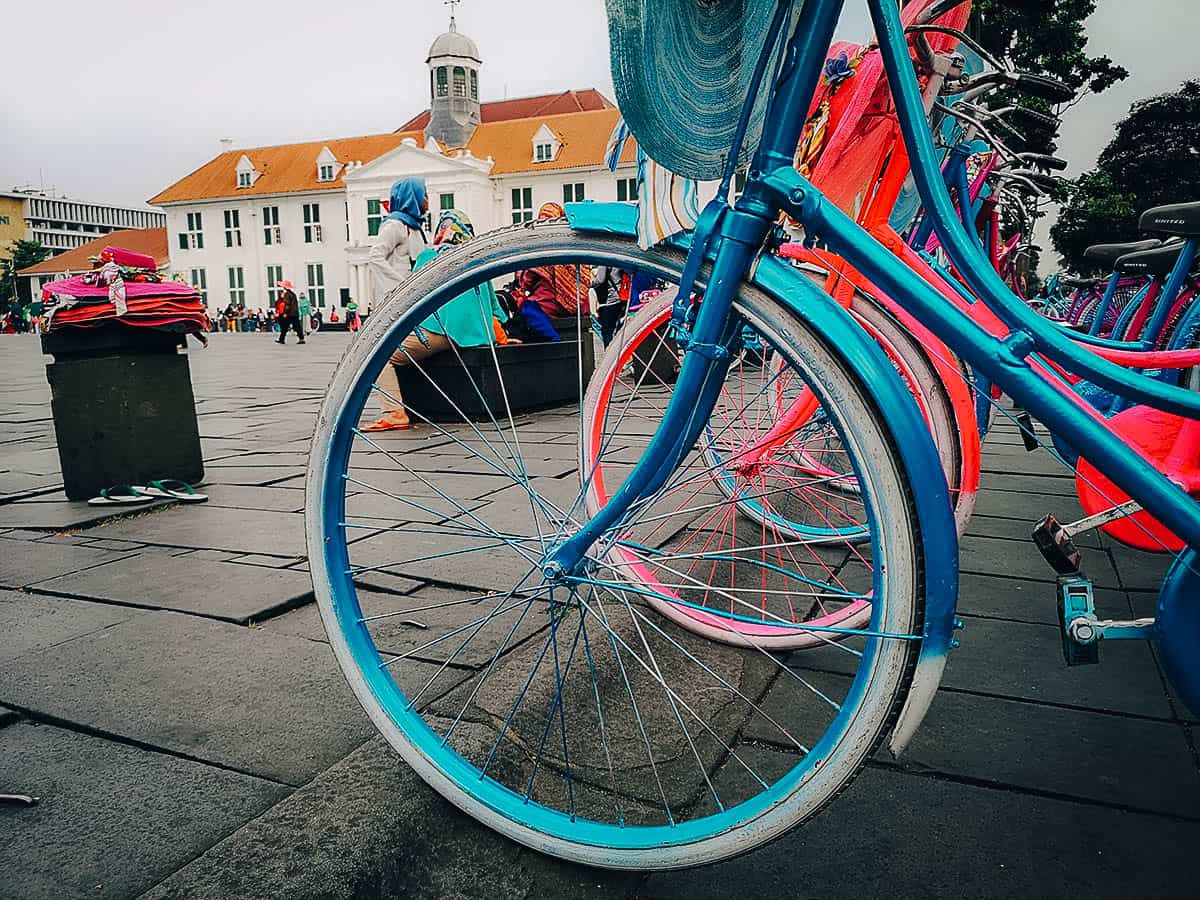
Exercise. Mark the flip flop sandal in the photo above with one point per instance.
(121, 494)
(385, 425)
(172, 489)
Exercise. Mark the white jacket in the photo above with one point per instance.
(391, 259)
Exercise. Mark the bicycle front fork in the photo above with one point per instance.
(707, 348)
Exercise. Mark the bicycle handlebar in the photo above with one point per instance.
(1035, 115)
(1044, 161)
(1041, 86)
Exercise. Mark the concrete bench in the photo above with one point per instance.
(534, 377)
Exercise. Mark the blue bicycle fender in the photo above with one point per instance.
(919, 457)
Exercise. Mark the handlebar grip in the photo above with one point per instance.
(1043, 161)
(1037, 116)
(1043, 87)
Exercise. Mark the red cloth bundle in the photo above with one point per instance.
(128, 258)
(178, 309)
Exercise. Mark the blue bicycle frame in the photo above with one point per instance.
(732, 239)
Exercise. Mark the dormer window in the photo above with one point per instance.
(545, 145)
(246, 173)
(327, 165)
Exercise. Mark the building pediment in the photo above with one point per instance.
(411, 159)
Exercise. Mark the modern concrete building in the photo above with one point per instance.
(64, 223)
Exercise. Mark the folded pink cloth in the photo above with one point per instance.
(78, 288)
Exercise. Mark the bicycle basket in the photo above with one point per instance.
(681, 69)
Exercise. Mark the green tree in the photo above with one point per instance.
(1046, 39)
(1043, 38)
(24, 254)
(1154, 158)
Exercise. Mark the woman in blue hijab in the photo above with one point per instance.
(401, 237)
(472, 319)
(400, 241)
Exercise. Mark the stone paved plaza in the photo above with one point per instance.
(166, 690)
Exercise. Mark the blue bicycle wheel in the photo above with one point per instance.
(589, 716)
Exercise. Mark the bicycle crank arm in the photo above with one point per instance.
(1054, 539)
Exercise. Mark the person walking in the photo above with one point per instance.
(303, 316)
(287, 310)
(610, 306)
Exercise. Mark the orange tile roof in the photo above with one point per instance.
(150, 241)
(583, 137)
(527, 107)
(286, 168)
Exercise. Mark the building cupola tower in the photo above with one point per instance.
(453, 86)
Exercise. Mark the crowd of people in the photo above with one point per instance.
(291, 312)
(25, 318)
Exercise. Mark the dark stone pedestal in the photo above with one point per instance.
(534, 377)
(123, 408)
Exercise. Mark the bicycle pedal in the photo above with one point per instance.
(1055, 544)
(1077, 621)
(1028, 437)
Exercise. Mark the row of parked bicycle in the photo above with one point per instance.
(676, 617)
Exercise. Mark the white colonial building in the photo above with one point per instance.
(309, 212)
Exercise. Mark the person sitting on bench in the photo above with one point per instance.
(553, 292)
(469, 320)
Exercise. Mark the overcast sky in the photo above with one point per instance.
(119, 99)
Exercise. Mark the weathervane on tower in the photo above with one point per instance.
(452, 4)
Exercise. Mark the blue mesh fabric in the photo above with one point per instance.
(681, 69)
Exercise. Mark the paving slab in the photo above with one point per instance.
(1027, 506)
(409, 623)
(383, 833)
(221, 590)
(278, 499)
(31, 622)
(469, 562)
(1085, 754)
(269, 562)
(201, 526)
(1023, 600)
(1019, 530)
(897, 835)
(23, 563)
(250, 475)
(59, 516)
(113, 819)
(268, 704)
(1024, 661)
(1049, 486)
(1018, 559)
(1138, 571)
(256, 458)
